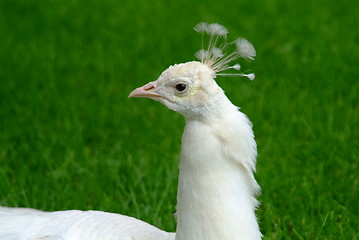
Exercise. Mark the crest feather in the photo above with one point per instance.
(215, 56)
(245, 48)
(201, 54)
(201, 27)
(217, 29)
(217, 52)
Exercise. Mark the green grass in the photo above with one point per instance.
(70, 138)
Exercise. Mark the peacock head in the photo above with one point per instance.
(189, 88)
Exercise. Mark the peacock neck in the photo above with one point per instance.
(215, 198)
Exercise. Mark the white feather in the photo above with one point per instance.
(236, 67)
(201, 27)
(202, 54)
(251, 76)
(216, 29)
(245, 48)
(215, 57)
(217, 52)
(30, 224)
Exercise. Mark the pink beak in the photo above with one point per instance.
(146, 91)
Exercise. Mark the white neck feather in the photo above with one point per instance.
(216, 192)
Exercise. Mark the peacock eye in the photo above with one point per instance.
(181, 87)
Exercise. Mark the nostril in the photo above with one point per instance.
(149, 88)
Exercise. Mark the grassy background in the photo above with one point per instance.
(70, 138)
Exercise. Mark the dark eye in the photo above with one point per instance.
(181, 87)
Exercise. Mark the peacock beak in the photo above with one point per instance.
(146, 91)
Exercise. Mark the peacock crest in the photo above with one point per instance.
(215, 57)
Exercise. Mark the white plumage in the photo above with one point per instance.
(30, 224)
(216, 191)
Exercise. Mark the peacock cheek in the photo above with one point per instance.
(200, 98)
